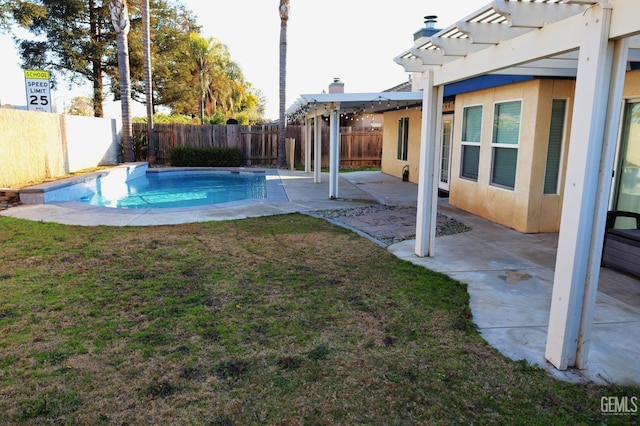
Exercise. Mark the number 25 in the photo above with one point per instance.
(33, 100)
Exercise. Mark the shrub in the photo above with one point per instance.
(206, 157)
(140, 145)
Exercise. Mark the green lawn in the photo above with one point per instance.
(279, 320)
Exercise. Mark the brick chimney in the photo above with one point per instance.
(337, 86)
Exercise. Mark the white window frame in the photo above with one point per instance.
(464, 143)
(495, 145)
(562, 149)
(403, 139)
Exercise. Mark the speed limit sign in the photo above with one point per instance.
(38, 87)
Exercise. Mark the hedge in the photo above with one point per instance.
(182, 156)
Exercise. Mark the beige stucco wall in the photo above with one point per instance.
(524, 208)
(632, 85)
(31, 147)
(632, 92)
(35, 146)
(390, 163)
(545, 209)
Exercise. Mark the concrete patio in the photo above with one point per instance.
(510, 277)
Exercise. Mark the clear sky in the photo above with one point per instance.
(354, 40)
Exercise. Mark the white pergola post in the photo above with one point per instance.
(585, 194)
(307, 144)
(334, 151)
(429, 167)
(603, 194)
(317, 151)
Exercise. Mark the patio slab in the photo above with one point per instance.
(509, 277)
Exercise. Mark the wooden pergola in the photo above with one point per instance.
(592, 41)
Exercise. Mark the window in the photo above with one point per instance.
(403, 138)
(471, 131)
(445, 150)
(506, 135)
(628, 176)
(554, 147)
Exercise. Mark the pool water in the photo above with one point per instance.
(188, 189)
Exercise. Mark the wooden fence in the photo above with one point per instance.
(359, 146)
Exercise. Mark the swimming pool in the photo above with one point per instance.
(178, 189)
(135, 186)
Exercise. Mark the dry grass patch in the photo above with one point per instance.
(280, 320)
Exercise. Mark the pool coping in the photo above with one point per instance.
(44, 193)
(299, 191)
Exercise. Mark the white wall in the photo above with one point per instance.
(91, 142)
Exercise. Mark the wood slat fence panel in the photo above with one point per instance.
(359, 146)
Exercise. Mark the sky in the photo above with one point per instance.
(354, 40)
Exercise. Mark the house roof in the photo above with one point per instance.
(402, 87)
(470, 47)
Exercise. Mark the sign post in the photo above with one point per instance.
(38, 88)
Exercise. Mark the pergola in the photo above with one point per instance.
(592, 41)
(317, 106)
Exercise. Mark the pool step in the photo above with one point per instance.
(73, 188)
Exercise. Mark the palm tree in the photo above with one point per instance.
(148, 82)
(282, 134)
(202, 50)
(121, 25)
(226, 84)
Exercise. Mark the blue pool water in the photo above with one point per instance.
(186, 189)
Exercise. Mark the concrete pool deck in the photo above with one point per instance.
(509, 275)
(299, 194)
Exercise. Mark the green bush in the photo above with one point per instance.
(206, 157)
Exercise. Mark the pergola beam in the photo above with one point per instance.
(411, 64)
(539, 72)
(456, 46)
(546, 42)
(430, 56)
(489, 33)
(535, 15)
(624, 22)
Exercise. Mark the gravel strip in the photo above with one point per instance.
(444, 224)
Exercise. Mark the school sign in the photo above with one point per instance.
(38, 87)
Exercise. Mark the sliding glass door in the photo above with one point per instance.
(627, 196)
(445, 153)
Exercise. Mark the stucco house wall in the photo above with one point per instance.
(523, 208)
(632, 85)
(390, 163)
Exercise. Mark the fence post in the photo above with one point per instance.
(290, 145)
